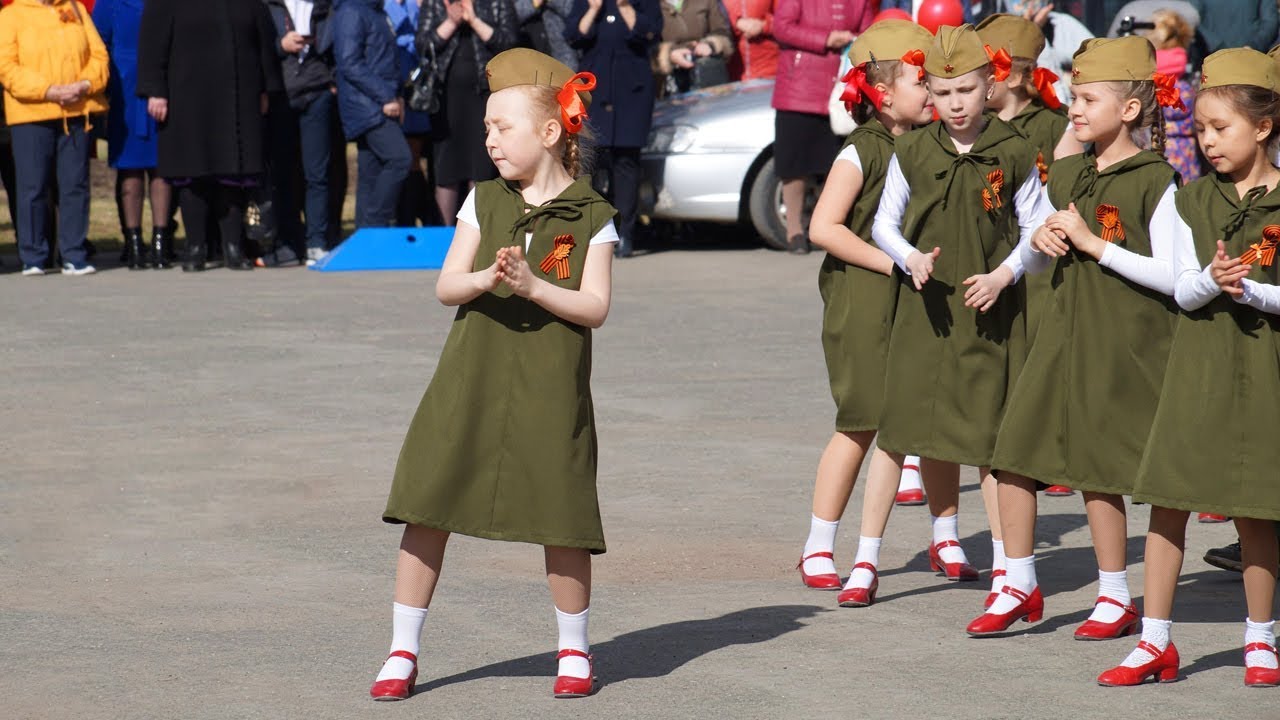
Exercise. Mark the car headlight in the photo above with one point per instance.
(671, 139)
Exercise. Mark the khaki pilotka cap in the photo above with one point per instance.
(1113, 60)
(1240, 66)
(954, 52)
(888, 40)
(1021, 37)
(522, 66)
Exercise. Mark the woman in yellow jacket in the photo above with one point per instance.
(53, 67)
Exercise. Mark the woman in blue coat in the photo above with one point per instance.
(615, 38)
(132, 139)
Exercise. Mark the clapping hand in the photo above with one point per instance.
(1228, 272)
(984, 290)
(920, 265)
(1049, 242)
(1069, 224)
(515, 270)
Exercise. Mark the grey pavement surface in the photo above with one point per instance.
(194, 469)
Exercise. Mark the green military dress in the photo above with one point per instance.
(1044, 128)
(503, 445)
(1212, 445)
(1083, 405)
(858, 304)
(950, 368)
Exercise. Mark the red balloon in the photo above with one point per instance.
(933, 14)
(891, 14)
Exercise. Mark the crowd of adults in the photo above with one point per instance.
(242, 110)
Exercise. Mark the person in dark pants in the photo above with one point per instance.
(7, 176)
(616, 37)
(300, 126)
(370, 105)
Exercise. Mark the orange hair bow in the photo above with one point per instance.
(915, 57)
(573, 112)
(1263, 252)
(1167, 91)
(1043, 78)
(991, 197)
(1001, 62)
(856, 87)
(1109, 217)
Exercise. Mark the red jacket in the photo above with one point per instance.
(757, 57)
(806, 68)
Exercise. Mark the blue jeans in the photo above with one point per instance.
(307, 130)
(383, 161)
(39, 148)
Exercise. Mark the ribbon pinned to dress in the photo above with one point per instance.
(991, 196)
(1109, 217)
(558, 258)
(573, 112)
(1264, 252)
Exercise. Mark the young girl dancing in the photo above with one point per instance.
(503, 445)
(1208, 448)
(1082, 407)
(885, 91)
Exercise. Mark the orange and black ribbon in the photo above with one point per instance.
(558, 258)
(1001, 62)
(1109, 217)
(573, 112)
(1167, 94)
(991, 196)
(1043, 79)
(1263, 253)
(1043, 167)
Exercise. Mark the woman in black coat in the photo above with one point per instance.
(206, 68)
(616, 37)
(464, 35)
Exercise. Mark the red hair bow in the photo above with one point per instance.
(1001, 62)
(856, 87)
(572, 110)
(915, 57)
(1043, 78)
(1167, 91)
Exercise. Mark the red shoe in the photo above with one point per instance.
(1260, 676)
(861, 597)
(991, 596)
(824, 581)
(1059, 491)
(1030, 609)
(1125, 626)
(954, 571)
(1164, 668)
(1210, 518)
(572, 687)
(396, 689)
(909, 498)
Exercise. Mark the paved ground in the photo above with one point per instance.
(194, 468)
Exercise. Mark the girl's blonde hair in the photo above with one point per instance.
(1171, 30)
(1026, 70)
(1150, 117)
(882, 71)
(1255, 103)
(575, 148)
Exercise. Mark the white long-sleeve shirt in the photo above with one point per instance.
(1194, 286)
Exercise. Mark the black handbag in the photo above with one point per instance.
(424, 91)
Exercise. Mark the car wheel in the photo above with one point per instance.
(765, 206)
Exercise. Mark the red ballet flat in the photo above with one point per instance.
(861, 597)
(1030, 609)
(1164, 668)
(1124, 627)
(1059, 491)
(822, 581)
(573, 687)
(1211, 519)
(909, 498)
(396, 689)
(1260, 676)
(954, 571)
(991, 596)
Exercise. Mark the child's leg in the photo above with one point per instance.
(1165, 542)
(942, 485)
(1109, 528)
(569, 575)
(1259, 553)
(877, 503)
(837, 473)
(1016, 496)
(991, 503)
(417, 571)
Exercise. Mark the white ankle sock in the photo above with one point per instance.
(868, 552)
(822, 538)
(997, 563)
(573, 636)
(948, 528)
(1021, 576)
(406, 633)
(1260, 633)
(910, 474)
(1114, 585)
(1155, 632)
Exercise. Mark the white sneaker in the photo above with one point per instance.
(32, 270)
(69, 269)
(315, 255)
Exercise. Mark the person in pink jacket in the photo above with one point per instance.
(811, 35)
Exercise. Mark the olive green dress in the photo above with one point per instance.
(1212, 446)
(858, 304)
(503, 445)
(1083, 405)
(951, 368)
(1044, 128)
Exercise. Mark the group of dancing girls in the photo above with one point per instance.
(1139, 355)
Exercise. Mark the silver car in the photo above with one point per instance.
(710, 159)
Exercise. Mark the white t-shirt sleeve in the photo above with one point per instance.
(886, 230)
(467, 213)
(1155, 272)
(608, 234)
(850, 154)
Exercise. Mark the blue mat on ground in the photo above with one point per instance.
(419, 248)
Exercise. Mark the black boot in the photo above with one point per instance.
(134, 249)
(162, 248)
(233, 257)
(195, 255)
